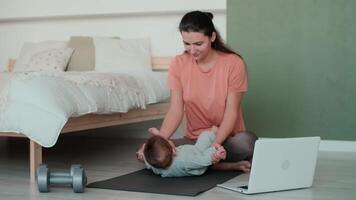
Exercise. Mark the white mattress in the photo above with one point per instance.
(155, 84)
(39, 104)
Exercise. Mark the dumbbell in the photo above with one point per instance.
(74, 178)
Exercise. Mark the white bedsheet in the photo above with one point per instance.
(39, 104)
(155, 83)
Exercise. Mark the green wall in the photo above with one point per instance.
(301, 60)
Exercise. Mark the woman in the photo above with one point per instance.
(207, 83)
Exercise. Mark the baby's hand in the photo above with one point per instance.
(220, 152)
(214, 129)
(153, 131)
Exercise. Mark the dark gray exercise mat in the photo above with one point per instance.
(145, 181)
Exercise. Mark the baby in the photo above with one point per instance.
(163, 158)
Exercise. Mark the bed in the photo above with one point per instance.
(90, 120)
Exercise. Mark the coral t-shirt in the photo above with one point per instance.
(205, 93)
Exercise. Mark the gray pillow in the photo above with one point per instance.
(83, 58)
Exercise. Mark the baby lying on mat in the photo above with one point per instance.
(163, 158)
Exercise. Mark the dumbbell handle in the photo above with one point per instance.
(60, 173)
(61, 179)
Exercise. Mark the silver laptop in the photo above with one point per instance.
(278, 164)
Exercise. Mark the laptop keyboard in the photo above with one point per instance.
(244, 187)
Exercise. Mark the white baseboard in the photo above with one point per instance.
(337, 145)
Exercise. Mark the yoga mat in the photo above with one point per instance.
(145, 181)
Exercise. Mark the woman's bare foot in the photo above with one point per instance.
(244, 166)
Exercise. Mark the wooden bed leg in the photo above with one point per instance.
(35, 159)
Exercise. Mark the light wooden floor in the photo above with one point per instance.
(108, 157)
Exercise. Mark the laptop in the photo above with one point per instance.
(278, 164)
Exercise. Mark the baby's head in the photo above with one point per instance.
(159, 152)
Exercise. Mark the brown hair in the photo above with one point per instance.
(158, 152)
(197, 21)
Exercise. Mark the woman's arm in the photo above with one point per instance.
(230, 116)
(174, 115)
(171, 120)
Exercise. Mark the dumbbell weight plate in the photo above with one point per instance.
(43, 178)
(79, 180)
(73, 167)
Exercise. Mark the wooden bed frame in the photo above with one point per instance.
(91, 121)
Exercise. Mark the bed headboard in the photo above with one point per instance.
(11, 64)
(159, 63)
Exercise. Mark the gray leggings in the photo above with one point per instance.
(238, 147)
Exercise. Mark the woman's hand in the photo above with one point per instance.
(154, 131)
(139, 152)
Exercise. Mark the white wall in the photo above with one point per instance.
(38, 20)
(35, 8)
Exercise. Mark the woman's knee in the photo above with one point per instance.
(247, 137)
(240, 146)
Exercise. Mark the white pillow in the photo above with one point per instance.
(29, 49)
(50, 60)
(112, 54)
